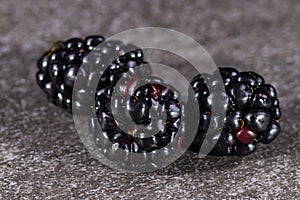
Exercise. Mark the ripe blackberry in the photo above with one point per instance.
(149, 96)
(252, 112)
(59, 66)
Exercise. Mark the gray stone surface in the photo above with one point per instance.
(41, 156)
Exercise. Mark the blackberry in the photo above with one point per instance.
(147, 121)
(149, 96)
(252, 112)
(59, 66)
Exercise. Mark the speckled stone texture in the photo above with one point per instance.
(42, 157)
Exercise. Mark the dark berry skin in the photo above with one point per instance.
(244, 149)
(68, 104)
(139, 111)
(42, 79)
(50, 89)
(275, 110)
(228, 75)
(57, 54)
(248, 78)
(259, 79)
(43, 63)
(240, 95)
(224, 144)
(251, 114)
(270, 89)
(56, 72)
(200, 88)
(65, 90)
(257, 120)
(74, 43)
(262, 99)
(234, 120)
(229, 71)
(270, 134)
(70, 75)
(92, 41)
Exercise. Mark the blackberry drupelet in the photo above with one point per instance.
(252, 112)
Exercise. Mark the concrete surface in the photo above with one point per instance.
(41, 156)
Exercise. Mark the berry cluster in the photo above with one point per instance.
(252, 111)
(251, 105)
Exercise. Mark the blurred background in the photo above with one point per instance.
(41, 156)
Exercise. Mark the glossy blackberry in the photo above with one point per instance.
(59, 66)
(252, 112)
(163, 122)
